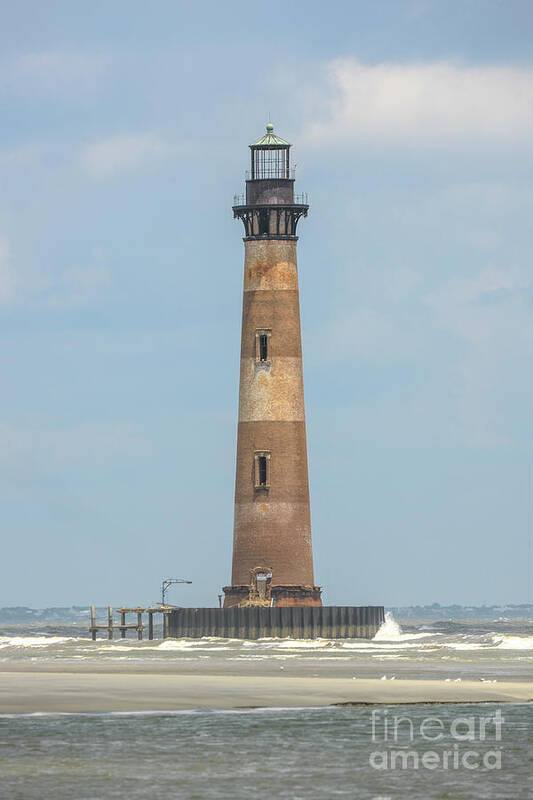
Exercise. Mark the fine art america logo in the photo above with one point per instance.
(465, 742)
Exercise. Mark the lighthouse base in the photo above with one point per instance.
(278, 596)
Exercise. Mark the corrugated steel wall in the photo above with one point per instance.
(326, 622)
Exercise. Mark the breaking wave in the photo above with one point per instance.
(514, 642)
(33, 641)
(391, 631)
(468, 646)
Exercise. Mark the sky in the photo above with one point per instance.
(124, 136)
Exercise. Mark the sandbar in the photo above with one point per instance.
(98, 688)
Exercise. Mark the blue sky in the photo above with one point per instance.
(124, 137)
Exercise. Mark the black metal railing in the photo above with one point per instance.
(290, 173)
(301, 199)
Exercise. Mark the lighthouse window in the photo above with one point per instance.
(262, 346)
(262, 470)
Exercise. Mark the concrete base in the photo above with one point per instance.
(290, 595)
(323, 622)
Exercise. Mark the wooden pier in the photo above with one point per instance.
(296, 622)
(124, 626)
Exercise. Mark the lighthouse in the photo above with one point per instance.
(272, 591)
(272, 550)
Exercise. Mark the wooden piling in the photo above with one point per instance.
(93, 623)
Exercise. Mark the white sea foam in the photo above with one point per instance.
(178, 712)
(498, 642)
(33, 641)
(305, 644)
(377, 647)
(513, 642)
(187, 644)
(137, 648)
(391, 643)
(390, 631)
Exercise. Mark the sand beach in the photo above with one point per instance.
(26, 688)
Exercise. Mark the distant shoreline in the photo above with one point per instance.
(79, 615)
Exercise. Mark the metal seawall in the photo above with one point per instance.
(297, 622)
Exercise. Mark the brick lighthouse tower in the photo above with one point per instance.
(272, 553)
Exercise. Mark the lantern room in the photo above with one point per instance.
(270, 157)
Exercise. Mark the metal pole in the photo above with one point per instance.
(93, 623)
(166, 584)
(110, 622)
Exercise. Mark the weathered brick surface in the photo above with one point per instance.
(275, 309)
(273, 392)
(270, 264)
(272, 525)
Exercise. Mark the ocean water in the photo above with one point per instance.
(496, 650)
(275, 753)
(417, 752)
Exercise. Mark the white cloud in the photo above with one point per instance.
(424, 103)
(465, 346)
(77, 287)
(85, 444)
(118, 153)
(490, 313)
(461, 289)
(489, 308)
(56, 70)
(6, 273)
(417, 9)
(22, 157)
(373, 325)
(70, 288)
(355, 336)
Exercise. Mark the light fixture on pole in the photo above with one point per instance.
(166, 584)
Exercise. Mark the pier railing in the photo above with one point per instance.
(138, 626)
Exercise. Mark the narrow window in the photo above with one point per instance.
(263, 347)
(262, 470)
